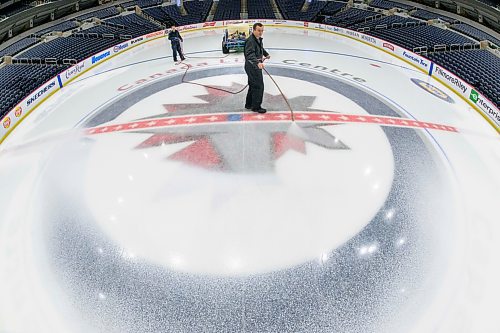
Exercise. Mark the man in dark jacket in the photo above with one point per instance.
(175, 38)
(254, 63)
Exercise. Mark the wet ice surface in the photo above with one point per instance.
(248, 225)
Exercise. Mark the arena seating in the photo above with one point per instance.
(260, 9)
(493, 3)
(14, 9)
(128, 4)
(228, 10)
(133, 25)
(292, 9)
(478, 67)
(421, 36)
(475, 33)
(18, 46)
(198, 10)
(101, 14)
(333, 8)
(65, 26)
(160, 14)
(350, 17)
(18, 81)
(77, 48)
(389, 5)
(175, 15)
(148, 3)
(386, 22)
(426, 15)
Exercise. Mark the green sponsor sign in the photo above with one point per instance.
(474, 96)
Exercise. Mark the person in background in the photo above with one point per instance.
(175, 39)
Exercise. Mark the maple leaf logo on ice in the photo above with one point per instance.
(235, 146)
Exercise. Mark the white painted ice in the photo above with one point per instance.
(236, 240)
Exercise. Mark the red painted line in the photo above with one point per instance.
(309, 117)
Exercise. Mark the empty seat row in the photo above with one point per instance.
(19, 46)
(293, 9)
(426, 15)
(333, 8)
(101, 14)
(475, 33)
(478, 67)
(65, 26)
(350, 17)
(387, 22)
(260, 9)
(421, 36)
(384, 4)
(68, 48)
(18, 81)
(228, 10)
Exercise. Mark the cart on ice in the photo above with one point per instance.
(235, 36)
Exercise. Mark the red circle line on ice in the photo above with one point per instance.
(300, 117)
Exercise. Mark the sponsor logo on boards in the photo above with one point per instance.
(18, 111)
(388, 46)
(452, 79)
(74, 70)
(6, 122)
(155, 34)
(101, 56)
(415, 59)
(120, 47)
(40, 93)
(484, 104)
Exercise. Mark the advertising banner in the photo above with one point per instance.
(468, 92)
(26, 105)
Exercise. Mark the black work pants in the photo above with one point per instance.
(255, 86)
(176, 47)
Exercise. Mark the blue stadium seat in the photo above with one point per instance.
(260, 9)
(475, 33)
(426, 15)
(18, 46)
(386, 22)
(292, 9)
(228, 10)
(65, 26)
(384, 4)
(350, 17)
(18, 81)
(478, 67)
(101, 14)
(421, 36)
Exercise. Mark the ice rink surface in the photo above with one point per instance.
(134, 202)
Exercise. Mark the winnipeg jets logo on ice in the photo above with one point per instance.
(163, 144)
(235, 145)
